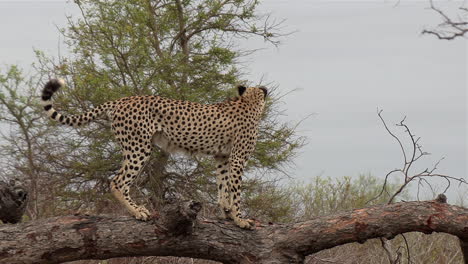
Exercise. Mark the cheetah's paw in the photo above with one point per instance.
(245, 223)
(141, 213)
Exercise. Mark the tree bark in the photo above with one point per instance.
(180, 233)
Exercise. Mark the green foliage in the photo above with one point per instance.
(147, 47)
(269, 202)
(319, 196)
(330, 195)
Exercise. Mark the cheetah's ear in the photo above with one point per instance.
(241, 89)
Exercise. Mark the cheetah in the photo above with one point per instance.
(226, 130)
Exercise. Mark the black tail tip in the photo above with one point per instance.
(51, 87)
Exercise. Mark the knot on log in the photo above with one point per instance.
(178, 216)
(441, 198)
(13, 200)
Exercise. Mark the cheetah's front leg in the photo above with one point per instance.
(121, 193)
(236, 169)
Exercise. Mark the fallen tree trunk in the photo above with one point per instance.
(179, 233)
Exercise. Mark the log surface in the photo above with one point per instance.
(69, 238)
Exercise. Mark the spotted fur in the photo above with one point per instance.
(227, 131)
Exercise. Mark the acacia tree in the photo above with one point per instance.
(179, 49)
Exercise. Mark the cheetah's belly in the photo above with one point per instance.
(191, 145)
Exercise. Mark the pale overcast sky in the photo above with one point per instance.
(346, 59)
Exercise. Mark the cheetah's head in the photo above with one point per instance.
(253, 93)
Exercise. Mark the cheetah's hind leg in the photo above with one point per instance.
(132, 166)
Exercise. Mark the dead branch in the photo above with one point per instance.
(70, 238)
(450, 28)
(411, 154)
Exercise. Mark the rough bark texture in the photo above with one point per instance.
(464, 249)
(13, 200)
(68, 238)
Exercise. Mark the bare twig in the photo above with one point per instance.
(449, 29)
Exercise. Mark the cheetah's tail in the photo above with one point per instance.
(53, 86)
